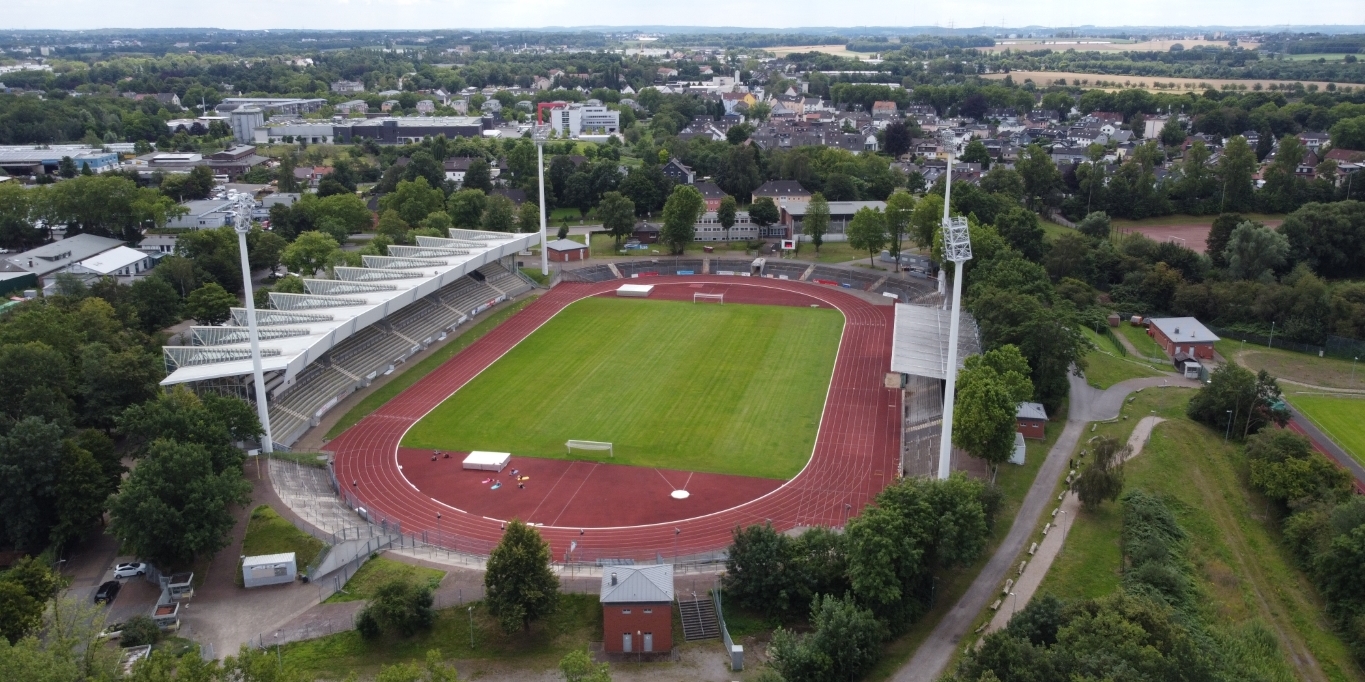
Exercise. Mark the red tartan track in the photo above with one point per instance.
(856, 450)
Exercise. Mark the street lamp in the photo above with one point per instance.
(438, 528)
(471, 627)
(1271, 342)
(539, 135)
(676, 533)
(1228, 430)
(1353, 369)
(957, 248)
(1014, 606)
(242, 224)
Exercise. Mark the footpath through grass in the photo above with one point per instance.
(1108, 365)
(577, 622)
(1240, 564)
(380, 570)
(1343, 418)
(1298, 367)
(416, 371)
(733, 389)
(269, 533)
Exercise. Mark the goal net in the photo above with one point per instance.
(589, 445)
(709, 298)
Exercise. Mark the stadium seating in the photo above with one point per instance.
(505, 281)
(591, 273)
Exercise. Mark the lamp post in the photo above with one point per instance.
(471, 627)
(957, 248)
(1014, 606)
(1353, 369)
(438, 528)
(242, 224)
(676, 533)
(1228, 430)
(1271, 342)
(539, 135)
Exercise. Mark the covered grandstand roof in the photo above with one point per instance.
(919, 343)
(299, 328)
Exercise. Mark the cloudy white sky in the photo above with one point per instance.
(435, 14)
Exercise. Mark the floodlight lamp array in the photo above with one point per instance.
(957, 242)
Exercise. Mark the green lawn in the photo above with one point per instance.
(380, 570)
(577, 622)
(1340, 417)
(416, 371)
(1106, 366)
(735, 389)
(1141, 341)
(1241, 567)
(1294, 366)
(269, 533)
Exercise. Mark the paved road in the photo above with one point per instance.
(1087, 404)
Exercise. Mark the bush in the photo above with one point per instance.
(398, 605)
(139, 630)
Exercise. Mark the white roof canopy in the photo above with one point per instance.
(919, 344)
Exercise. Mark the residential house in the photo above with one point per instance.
(782, 192)
(677, 172)
(426, 106)
(711, 194)
(884, 109)
(1182, 335)
(346, 87)
(1314, 141)
(355, 106)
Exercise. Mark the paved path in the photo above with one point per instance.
(1087, 404)
(1051, 543)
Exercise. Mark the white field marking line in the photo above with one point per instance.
(843, 336)
(661, 475)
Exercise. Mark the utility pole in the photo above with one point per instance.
(957, 248)
(242, 224)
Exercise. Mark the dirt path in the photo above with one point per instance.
(1051, 543)
(1271, 612)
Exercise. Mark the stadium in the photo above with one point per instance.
(635, 411)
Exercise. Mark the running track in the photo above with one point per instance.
(856, 451)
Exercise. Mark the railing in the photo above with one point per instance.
(736, 653)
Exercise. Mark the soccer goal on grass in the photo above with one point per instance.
(709, 298)
(589, 445)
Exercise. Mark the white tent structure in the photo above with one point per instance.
(487, 461)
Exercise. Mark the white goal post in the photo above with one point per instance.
(717, 298)
(589, 445)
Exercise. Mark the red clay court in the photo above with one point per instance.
(627, 512)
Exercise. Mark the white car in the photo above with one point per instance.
(130, 570)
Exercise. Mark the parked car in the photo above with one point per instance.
(107, 592)
(130, 570)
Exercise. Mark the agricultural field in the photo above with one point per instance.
(836, 50)
(731, 389)
(1120, 82)
(1104, 45)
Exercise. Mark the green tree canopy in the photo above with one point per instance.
(210, 304)
(816, 221)
(681, 212)
(519, 586)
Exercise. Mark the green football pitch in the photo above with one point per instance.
(1339, 417)
(732, 389)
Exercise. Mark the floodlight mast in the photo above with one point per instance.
(538, 134)
(242, 224)
(957, 248)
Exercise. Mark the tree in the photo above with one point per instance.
(500, 214)
(528, 217)
(763, 212)
(726, 213)
(398, 605)
(1236, 167)
(391, 226)
(1172, 133)
(435, 670)
(1254, 252)
(175, 507)
(210, 304)
(846, 643)
(155, 302)
(646, 187)
(757, 574)
(1020, 227)
(414, 200)
(618, 215)
(1286, 469)
(1219, 234)
(264, 249)
(680, 215)
(578, 666)
(984, 424)
(578, 193)
(896, 139)
(867, 232)
(900, 209)
(110, 380)
(1349, 133)
(519, 585)
(1040, 175)
(976, 153)
(739, 174)
(1103, 478)
(30, 463)
(1235, 400)
(312, 251)
(925, 220)
(816, 222)
(139, 630)
(1095, 225)
(466, 208)
(66, 167)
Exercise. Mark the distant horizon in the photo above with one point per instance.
(629, 15)
(1081, 29)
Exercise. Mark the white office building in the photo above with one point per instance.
(574, 120)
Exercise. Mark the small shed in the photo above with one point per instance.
(269, 569)
(1031, 420)
(646, 233)
(637, 609)
(567, 250)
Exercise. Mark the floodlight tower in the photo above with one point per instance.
(957, 248)
(242, 223)
(539, 134)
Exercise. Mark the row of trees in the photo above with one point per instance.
(861, 586)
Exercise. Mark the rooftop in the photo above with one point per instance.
(1184, 329)
(919, 342)
(113, 259)
(637, 584)
(58, 254)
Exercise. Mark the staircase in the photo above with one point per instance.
(698, 618)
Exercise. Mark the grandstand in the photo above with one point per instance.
(318, 347)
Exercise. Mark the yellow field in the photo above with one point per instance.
(1102, 45)
(1106, 81)
(836, 50)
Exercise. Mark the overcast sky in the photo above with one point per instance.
(436, 14)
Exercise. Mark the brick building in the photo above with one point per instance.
(637, 609)
(1182, 335)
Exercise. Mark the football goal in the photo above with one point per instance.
(709, 298)
(589, 445)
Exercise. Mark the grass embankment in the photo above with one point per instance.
(1294, 367)
(1014, 482)
(1108, 364)
(380, 570)
(577, 622)
(1341, 417)
(1144, 344)
(415, 371)
(1240, 565)
(669, 383)
(269, 533)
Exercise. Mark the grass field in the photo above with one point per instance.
(1240, 565)
(269, 533)
(1343, 418)
(733, 389)
(1106, 365)
(380, 570)
(1118, 81)
(1295, 367)
(1141, 341)
(423, 367)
